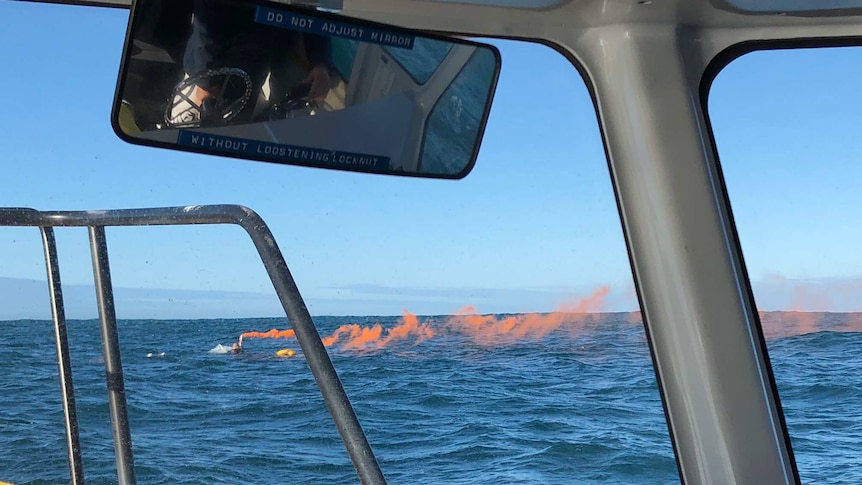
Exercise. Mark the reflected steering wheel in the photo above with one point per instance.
(292, 108)
(230, 90)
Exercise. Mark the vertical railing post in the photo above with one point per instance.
(73, 444)
(111, 349)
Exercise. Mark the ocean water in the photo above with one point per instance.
(452, 131)
(569, 407)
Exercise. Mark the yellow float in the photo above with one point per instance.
(285, 353)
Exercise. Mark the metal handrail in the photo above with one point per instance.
(307, 336)
(73, 444)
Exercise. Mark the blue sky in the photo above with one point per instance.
(533, 226)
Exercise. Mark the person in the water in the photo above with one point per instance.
(236, 348)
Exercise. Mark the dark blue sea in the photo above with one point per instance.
(566, 407)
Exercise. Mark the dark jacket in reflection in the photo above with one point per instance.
(225, 34)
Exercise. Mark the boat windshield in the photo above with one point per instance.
(791, 175)
(483, 329)
(486, 330)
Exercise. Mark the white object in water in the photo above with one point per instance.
(220, 349)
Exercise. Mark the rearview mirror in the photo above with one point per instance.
(270, 82)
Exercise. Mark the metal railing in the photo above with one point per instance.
(309, 340)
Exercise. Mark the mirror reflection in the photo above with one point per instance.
(282, 84)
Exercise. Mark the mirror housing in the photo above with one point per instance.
(266, 81)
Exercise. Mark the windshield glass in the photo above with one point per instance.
(792, 177)
(430, 48)
(485, 330)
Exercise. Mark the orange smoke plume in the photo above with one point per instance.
(482, 329)
(491, 330)
(812, 307)
(355, 337)
(274, 333)
(782, 324)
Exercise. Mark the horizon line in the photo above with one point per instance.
(96, 318)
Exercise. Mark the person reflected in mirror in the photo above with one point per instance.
(276, 62)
